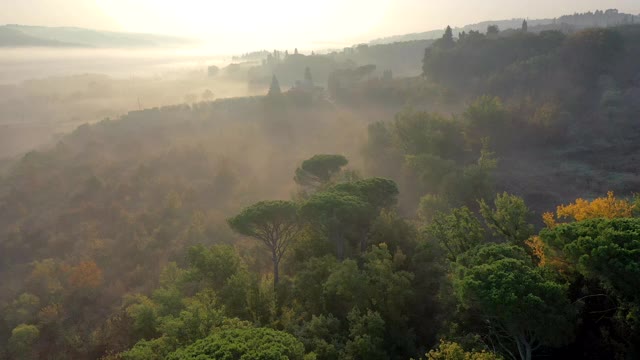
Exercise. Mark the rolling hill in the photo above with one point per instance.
(23, 36)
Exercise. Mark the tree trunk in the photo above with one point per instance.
(524, 347)
(527, 352)
(276, 272)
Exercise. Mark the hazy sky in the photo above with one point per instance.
(252, 24)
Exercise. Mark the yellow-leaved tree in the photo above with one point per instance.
(608, 207)
(603, 207)
(454, 351)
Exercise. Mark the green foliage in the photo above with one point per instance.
(428, 133)
(380, 151)
(87, 225)
(144, 314)
(606, 250)
(453, 351)
(156, 349)
(319, 170)
(491, 253)
(390, 228)
(521, 303)
(366, 336)
(457, 231)
(431, 169)
(332, 213)
(212, 266)
(435, 155)
(473, 182)
(275, 223)
(243, 344)
(200, 316)
(430, 205)
(321, 336)
(377, 192)
(486, 117)
(509, 218)
(264, 218)
(309, 283)
(23, 309)
(22, 341)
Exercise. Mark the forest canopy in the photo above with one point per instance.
(484, 209)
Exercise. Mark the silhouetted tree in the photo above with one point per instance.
(213, 70)
(493, 30)
(525, 26)
(274, 89)
(275, 223)
(207, 95)
(317, 171)
(307, 76)
(447, 39)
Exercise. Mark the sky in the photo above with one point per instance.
(257, 24)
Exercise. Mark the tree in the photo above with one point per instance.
(430, 205)
(333, 215)
(457, 231)
(275, 223)
(212, 266)
(307, 76)
(525, 26)
(22, 341)
(207, 95)
(213, 70)
(603, 207)
(85, 275)
(144, 315)
(243, 344)
(274, 88)
(22, 310)
(366, 336)
(509, 218)
(419, 132)
(377, 193)
(606, 250)
(521, 303)
(317, 171)
(453, 351)
(201, 315)
(591, 53)
(485, 117)
(493, 30)
(322, 336)
(447, 41)
(601, 259)
(380, 286)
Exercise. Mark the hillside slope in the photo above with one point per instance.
(578, 21)
(22, 35)
(10, 37)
